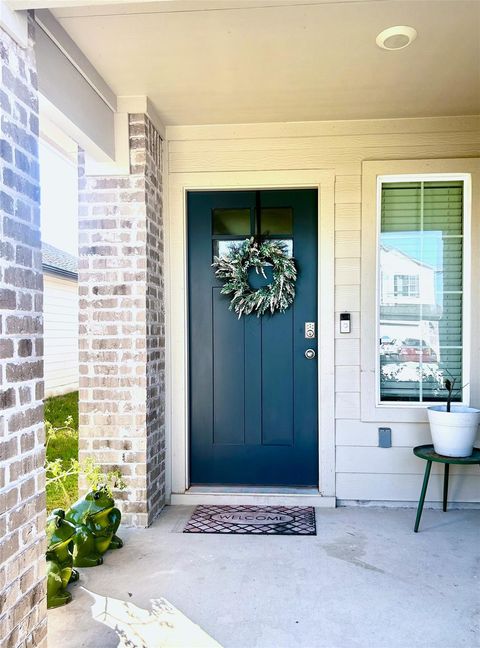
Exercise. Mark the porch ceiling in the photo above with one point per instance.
(285, 60)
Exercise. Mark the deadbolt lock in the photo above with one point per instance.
(309, 330)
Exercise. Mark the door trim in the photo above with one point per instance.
(176, 415)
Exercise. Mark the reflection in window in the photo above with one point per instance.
(232, 222)
(286, 243)
(276, 220)
(420, 289)
(223, 248)
(406, 285)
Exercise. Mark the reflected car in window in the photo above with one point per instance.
(415, 350)
(389, 350)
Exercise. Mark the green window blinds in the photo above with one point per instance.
(420, 289)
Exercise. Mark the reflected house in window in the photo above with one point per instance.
(411, 300)
(411, 309)
(406, 284)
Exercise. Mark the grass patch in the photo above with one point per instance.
(59, 407)
(64, 446)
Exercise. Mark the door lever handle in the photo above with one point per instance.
(310, 354)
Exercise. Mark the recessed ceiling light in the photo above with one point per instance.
(396, 38)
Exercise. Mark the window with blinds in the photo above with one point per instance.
(420, 289)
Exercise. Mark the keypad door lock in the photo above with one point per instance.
(309, 330)
(310, 354)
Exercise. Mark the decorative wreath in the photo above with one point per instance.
(234, 267)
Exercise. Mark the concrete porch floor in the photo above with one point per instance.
(365, 580)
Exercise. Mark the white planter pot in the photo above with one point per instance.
(454, 432)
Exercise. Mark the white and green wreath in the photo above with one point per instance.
(234, 267)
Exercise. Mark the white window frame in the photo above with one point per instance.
(374, 175)
(467, 194)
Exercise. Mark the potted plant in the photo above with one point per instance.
(453, 427)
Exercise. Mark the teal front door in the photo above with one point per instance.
(253, 392)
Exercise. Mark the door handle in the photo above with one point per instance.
(310, 354)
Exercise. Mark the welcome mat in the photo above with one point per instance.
(256, 520)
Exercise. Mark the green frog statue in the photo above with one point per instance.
(60, 570)
(96, 521)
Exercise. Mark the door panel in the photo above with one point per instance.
(277, 379)
(228, 361)
(253, 394)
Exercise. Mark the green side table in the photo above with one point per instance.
(428, 453)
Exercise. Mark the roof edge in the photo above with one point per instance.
(66, 274)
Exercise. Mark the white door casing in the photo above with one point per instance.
(177, 446)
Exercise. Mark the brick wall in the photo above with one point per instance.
(155, 320)
(122, 354)
(22, 496)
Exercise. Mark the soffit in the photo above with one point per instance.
(284, 60)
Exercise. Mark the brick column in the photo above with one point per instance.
(122, 340)
(22, 495)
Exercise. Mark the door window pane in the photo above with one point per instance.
(276, 220)
(223, 248)
(287, 245)
(232, 222)
(420, 290)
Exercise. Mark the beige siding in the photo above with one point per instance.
(388, 487)
(61, 335)
(364, 471)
